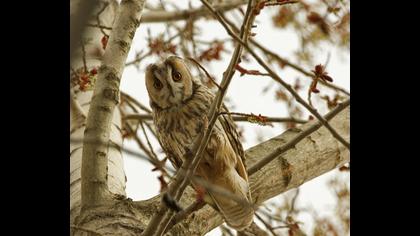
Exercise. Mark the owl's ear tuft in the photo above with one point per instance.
(150, 67)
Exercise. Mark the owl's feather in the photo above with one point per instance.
(179, 120)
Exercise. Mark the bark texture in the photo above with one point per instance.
(81, 104)
(315, 155)
(94, 173)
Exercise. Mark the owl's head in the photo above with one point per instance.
(169, 83)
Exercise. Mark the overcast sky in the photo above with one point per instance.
(246, 94)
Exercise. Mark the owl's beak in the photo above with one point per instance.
(161, 72)
(154, 70)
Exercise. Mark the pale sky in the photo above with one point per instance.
(246, 94)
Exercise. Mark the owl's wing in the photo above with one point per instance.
(234, 180)
(229, 127)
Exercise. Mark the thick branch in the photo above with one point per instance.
(313, 156)
(94, 189)
(292, 143)
(238, 118)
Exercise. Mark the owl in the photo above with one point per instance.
(180, 104)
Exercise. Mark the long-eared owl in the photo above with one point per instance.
(180, 104)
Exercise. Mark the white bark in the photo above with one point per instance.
(315, 155)
(116, 179)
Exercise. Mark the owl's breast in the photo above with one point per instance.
(179, 129)
(179, 126)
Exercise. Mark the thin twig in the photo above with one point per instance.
(226, 230)
(195, 206)
(298, 98)
(310, 97)
(99, 20)
(139, 59)
(148, 141)
(78, 22)
(267, 225)
(152, 130)
(281, 227)
(278, 3)
(122, 149)
(137, 103)
(150, 153)
(296, 67)
(150, 52)
(141, 145)
(99, 26)
(293, 203)
(205, 71)
(272, 119)
(84, 57)
(283, 61)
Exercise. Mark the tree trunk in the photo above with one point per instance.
(80, 106)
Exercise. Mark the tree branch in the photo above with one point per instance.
(137, 103)
(77, 113)
(77, 25)
(165, 16)
(197, 205)
(94, 188)
(298, 98)
(292, 143)
(160, 220)
(238, 118)
(313, 156)
(266, 224)
(296, 67)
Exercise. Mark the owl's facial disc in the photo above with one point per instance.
(169, 81)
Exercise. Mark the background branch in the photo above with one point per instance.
(298, 98)
(295, 66)
(157, 16)
(78, 24)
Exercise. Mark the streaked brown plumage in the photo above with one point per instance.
(180, 105)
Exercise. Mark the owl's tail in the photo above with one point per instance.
(238, 216)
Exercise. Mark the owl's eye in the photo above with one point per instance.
(176, 76)
(157, 84)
